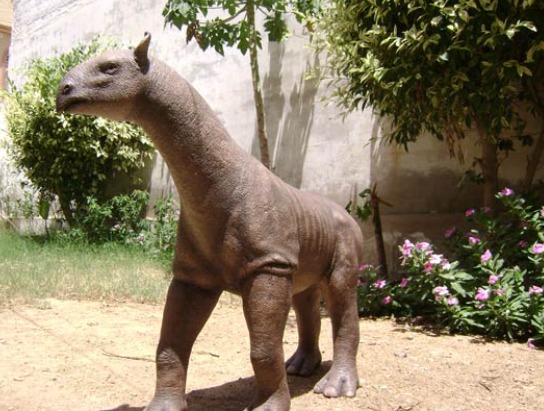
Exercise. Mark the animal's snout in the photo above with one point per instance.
(66, 89)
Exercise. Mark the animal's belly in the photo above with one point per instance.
(229, 275)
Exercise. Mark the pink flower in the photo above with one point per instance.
(538, 248)
(363, 267)
(486, 209)
(452, 301)
(493, 279)
(422, 246)
(482, 294)
(446, 265)
(441, 290)
(530, 344)
(387, 299)
(535, 289)
(506, 192)
(404, 282)
(485, 257)
(407, 248)
(380, 283)
(470, 212)
(428, 267)
(449, 232)
(522, 244)
(499, 291)
(473, 240)
(435, 259)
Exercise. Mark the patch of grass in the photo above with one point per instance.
(33, 269)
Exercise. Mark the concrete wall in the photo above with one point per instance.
(312, 147)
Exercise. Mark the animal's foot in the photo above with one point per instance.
(303, 363)
(169, 403)
(340, 381)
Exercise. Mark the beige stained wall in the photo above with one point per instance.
(6, 13)
(6, 17)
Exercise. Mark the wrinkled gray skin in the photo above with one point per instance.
(241, 229)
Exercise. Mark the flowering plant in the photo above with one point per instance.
(493, 285)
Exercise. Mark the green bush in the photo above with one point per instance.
(118, 219)
(493, 285)
(122, 220)
(164, 230)
(67, 157)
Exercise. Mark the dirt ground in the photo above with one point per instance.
(92, 356)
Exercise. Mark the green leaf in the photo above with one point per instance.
(243, 37)
(276, 27)
(458, 288)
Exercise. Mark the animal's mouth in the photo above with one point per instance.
(68, 104)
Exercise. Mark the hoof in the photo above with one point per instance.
(338, 382)
(302, 363)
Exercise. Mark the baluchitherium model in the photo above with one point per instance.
(241, 229)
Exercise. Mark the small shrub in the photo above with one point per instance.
(493, 288)
(165, 227)
(122, 220)
(159, 237)
(118, 219)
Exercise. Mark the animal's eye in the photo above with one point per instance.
(109, 68)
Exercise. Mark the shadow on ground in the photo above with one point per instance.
(237, 395)
(125, 407)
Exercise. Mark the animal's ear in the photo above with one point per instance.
(140, 53)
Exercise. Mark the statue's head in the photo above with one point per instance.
(107, 85)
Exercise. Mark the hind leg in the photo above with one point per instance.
(307, 357)
(340, 292)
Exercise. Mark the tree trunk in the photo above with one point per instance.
(378, 233)
(67, 211)
(256, 79)
(534, 160)
(490, 169)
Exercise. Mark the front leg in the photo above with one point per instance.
(267, 299)
(186, 311)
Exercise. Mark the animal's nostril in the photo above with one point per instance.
(66, 89)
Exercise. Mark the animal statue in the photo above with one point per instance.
(241, 229)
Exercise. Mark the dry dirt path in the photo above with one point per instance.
(98, 357)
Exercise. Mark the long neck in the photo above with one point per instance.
(205, 162)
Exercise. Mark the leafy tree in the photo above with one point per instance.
(70, 157)
(236, 27)
(443, 66)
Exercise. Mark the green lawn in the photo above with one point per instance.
(32, 270)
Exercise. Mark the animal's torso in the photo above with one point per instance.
(261, 224)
